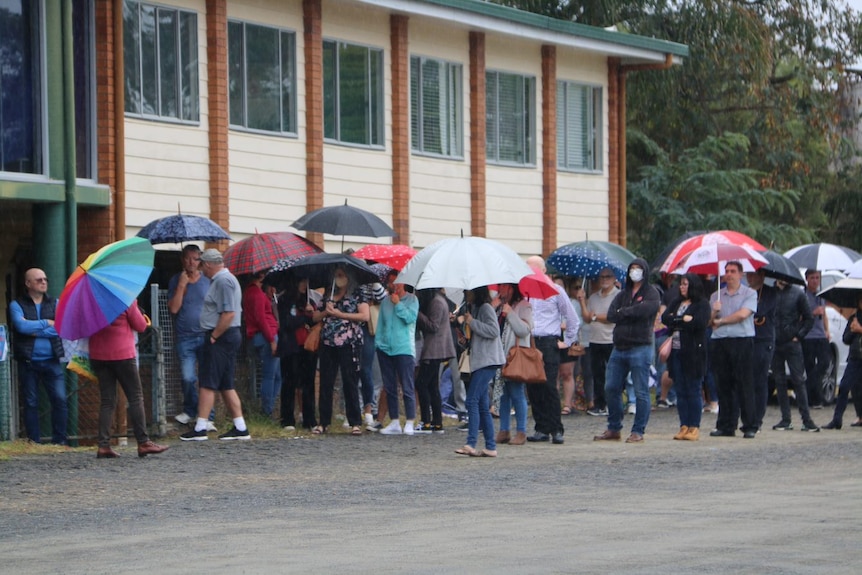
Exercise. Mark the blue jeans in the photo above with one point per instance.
(52, 376)
(190, 353)
(270, 383)
(394, 368)
(689, 398)
(636, 361)
(851, 381)
(366, 369)
(514, 394)
(479, 407)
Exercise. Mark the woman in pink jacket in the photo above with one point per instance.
(113, 359)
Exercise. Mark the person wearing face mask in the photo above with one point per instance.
(633, 312)
(342, 311)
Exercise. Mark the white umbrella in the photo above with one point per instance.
(855, 271)
(843, 293)
(823, 256)
(464, 263)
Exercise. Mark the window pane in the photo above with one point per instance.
(415, 99)
(432, 107)
(353, 94)
(263, 81)
(491, 116)
(330, 90)
(83, 58)
(375, 89)
(455, 111)
(20, 109)
(168, 64)
(236, 73)
(189, 84)
(288, 82)
(132, 57)
(511, 118)
(149, 62)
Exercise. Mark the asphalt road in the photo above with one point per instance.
(784, 503)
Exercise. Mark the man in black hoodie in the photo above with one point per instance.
(633, 311)
(793, 319)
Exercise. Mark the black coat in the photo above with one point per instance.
(692, 335)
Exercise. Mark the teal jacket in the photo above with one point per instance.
(396, 326)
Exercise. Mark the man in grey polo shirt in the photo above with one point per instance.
(731, 352)
(220, 319)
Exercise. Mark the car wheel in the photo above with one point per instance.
(830, 382)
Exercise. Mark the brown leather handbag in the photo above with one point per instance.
(525, 364)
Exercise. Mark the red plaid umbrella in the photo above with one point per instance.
(395, 256)
(260, 252)
(679, 253)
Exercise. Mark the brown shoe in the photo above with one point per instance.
(682, 431)
(150, 448)
(635, 438)
(503, 436)
(520, 438)
(106, 453)
(693, 434)
(607, 435)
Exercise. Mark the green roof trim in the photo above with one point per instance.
(53, 191)
(538, 21)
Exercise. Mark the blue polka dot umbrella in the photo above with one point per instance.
(586, 259)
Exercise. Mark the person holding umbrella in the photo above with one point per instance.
(261, 328)
(342, 312)
(113, 357)
(295, 311)
(852, 379)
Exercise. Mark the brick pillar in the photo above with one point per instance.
(478, 196)
(614, 151)
(400, 127)
(312, 16)
(96, 225)
(549, 149)
(217, 93)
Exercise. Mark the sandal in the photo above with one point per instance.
(318, 430)
(467, 450)
(356, 430)
(566, 411)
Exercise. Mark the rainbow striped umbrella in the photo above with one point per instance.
(103, 287)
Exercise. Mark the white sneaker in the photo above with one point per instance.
(211, 426)
(183, 418)
(289, 428)
(394, 428)
(409, 427)
(632, 408)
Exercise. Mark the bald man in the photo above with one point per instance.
(38, 350)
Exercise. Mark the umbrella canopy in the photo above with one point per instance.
(464, 263)
(383, 271)
(395, 256)
(262, 251)
(537, 285)
(854, 271)
(656, 264)
(344, 221)
(182, 228)
(780, 267)
(844, 293)
(707, 259)
(588, 258)
(319, 269)
(103, 287)
(823, 257)
(679, 253)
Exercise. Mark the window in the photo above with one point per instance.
(579, 120)
(84, 65)
(510, 102)
(20, 87)
(160, 47)
(262, 77)
(436, 107)
(352, 93)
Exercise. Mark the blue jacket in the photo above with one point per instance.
(396, 326)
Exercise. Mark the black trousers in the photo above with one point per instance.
(428, 391)
(599, 355)
(816, 354)
(544, 397)
(297, 372)
(732, 367)
(763, 350)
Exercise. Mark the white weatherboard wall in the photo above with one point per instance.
(514, 194)
(582, 197)
(168, 162)
(267, 171)
(440, 187)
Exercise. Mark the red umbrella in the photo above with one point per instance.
(537, 286)
(684, 248)
(260, 252)
(395, 256)
(707, 259)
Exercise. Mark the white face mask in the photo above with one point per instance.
(636, 274)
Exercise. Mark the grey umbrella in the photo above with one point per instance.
(782, 268)
(344, 221)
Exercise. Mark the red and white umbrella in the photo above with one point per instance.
(709, 259)
(686, 247)
(395, 256)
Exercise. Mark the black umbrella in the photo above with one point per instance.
(843, 293)
(182, 228)
(782, 268)
(319, 270)
(344, 221)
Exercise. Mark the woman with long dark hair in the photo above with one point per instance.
(295, 312)
(687, 317)
(437, 347)
(516, 319)
(486, 357)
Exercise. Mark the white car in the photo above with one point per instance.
(832, 376)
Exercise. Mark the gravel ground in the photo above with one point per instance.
(785, 502)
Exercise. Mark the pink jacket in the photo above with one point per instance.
(117, 341)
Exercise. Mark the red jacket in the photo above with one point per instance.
(117, 341)
(259, 316)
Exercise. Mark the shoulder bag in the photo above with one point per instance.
(525, 364)
(312, 340)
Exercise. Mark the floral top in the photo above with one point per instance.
(340, 332)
